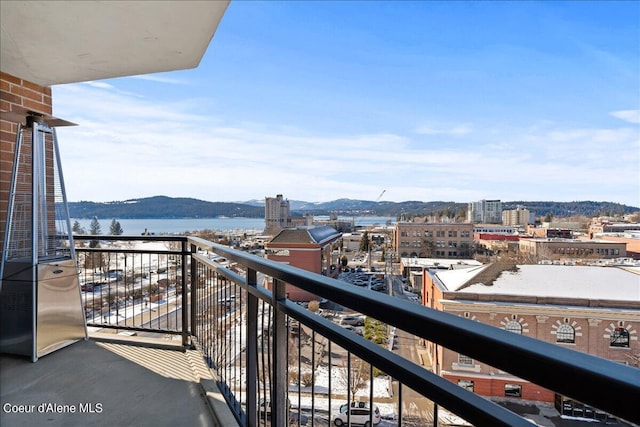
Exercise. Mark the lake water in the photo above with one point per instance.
(177, 226)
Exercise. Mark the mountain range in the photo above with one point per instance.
(170, 207)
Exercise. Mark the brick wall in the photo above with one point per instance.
(15, 93)
(495, 387)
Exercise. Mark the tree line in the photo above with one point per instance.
(95, 229)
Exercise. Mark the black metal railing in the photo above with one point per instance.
(131, 283)
(280, 363)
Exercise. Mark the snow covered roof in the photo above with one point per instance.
(306, 235)
(607, 283)
(440, 262)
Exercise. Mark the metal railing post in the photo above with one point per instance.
(189, 328)
(252, 351)
(279, 407)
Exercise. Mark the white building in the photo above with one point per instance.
(485, 211)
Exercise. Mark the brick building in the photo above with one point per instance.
(565, 305)
(308, 248)
(433, 240)
(556, 249)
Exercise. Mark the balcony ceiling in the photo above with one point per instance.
(55, 42)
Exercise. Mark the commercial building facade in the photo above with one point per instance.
(555, 249)
(564, 305)
(433, 240)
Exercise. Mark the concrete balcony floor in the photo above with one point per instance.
(129, 381)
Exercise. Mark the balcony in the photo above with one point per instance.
(188, 332)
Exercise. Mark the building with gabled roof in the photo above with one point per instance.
(309, 248)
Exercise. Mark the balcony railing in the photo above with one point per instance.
(280, 363)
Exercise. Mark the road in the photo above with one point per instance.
(416, 409)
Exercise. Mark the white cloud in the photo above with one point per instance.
(631, 116)
(101, 85)
(128, 146)
(160, 79)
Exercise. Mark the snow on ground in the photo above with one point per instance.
(130, 311)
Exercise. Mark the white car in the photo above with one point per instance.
(358, 415)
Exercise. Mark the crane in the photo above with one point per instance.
(380, 196)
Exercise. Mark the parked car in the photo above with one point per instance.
(358, 415)
(264, 408)
(353, 320)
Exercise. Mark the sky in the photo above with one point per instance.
(390, 101)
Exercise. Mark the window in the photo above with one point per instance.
(453, 233)
(513, 326)
(465, 360)
(464, 234)
(619, 337)
(466, 384)
(513, 390)
(566, 334)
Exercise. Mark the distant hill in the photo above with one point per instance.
(169, 207)
(163, 207)
(349, 207)
(567, 209)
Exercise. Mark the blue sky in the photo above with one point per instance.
(449, 100)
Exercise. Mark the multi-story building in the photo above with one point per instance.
(608, 227)
(565, 305)
(485, 211)
(433, 240)
(309, 248)
(555, 249)
(277, 213)
(518, 216)
(630, 239)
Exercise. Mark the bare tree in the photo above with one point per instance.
(353, 375)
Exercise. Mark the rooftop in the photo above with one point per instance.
(440, 262)
(306, 235)
(607, 283)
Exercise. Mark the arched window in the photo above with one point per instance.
(619, 337)
(566, 334)
(513, 326)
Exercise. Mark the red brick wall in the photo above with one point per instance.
(309, 260)
(15, 93)
(494, 387)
